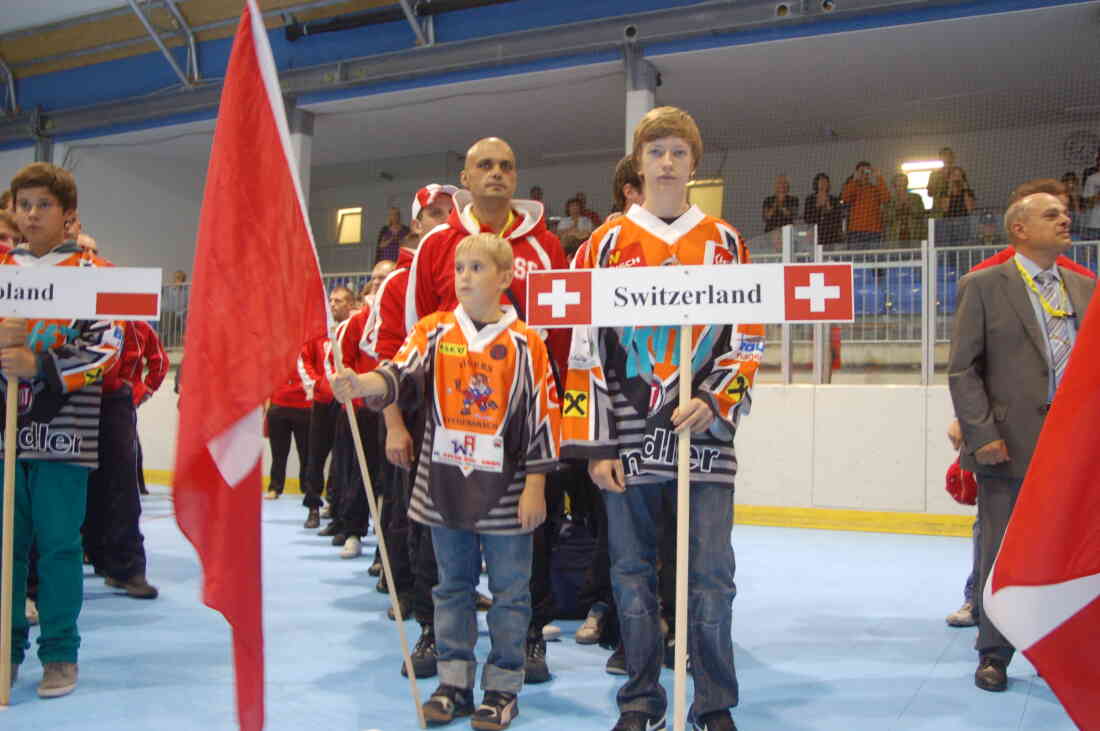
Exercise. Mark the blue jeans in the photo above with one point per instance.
(632, 519)
(508, 559)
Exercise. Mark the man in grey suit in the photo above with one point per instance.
(1014, 329)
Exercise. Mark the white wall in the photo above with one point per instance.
(12, 160)
(143, 210)
(857, 447)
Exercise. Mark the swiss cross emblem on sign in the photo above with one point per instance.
(560, 298)
(818, 292)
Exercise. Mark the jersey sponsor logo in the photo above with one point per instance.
(498, 352)
(26, 397)
(576, 404)
(738, 387)
(660, 448)
(628, 256)
(37, 437)
(452, 349)
(468, 452)
(477, 394)
(751, 349)
(722, 255)
(93, 376)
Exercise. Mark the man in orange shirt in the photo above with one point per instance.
(863, 195)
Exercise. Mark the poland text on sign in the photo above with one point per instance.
(683, 295)
(80, 293)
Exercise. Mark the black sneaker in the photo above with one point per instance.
(423, 655)
(313, 519)
(714, 721)
(616, 664)
(496, 711)
(535, 667)
(638, 721)
(376, 567)
(332, 529)
(382, 587)
(448, 703)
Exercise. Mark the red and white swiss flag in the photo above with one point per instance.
(818, 292)
(559, 298)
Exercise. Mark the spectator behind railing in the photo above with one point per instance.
(173, 310)
(574, 224)
(864, 193)
(937, 181)
(903, 214)
(825, 210)
(781, 208)
(390, 236)
(1090, 198)
(1075, 205)
(955, 204)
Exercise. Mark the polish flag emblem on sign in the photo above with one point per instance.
(819, 292)
(561, 297)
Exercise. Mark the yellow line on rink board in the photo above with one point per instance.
(867, 521)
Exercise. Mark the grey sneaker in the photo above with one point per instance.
(58, 679)
(589, 632)
(31, 612)
(963, 616)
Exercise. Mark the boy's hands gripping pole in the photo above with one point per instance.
(347, 386)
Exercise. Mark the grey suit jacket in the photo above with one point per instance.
(998, 373)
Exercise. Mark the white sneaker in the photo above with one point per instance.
(589, 632)
(32, 612)
(353, 548)
(963, 616)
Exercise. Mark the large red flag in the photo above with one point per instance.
(256, 297)
(1044, 593)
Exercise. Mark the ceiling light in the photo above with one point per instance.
(907, 167)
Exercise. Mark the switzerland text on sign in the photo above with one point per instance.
(80, 293)
(682, 295)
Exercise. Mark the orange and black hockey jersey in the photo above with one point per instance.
(59, 408)
(492, 417)
(623, 383)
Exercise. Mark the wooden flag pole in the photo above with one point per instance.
(353, 422)
(683, 543)
(11, 427)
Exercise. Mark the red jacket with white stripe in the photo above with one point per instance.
(432, 277)
(316, 365)
(388, 325)
(141, 349)
(292, 394)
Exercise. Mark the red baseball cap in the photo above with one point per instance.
(428, 194)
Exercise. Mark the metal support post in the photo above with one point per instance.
(642, 81)
(300, 123)
(189, 35)
(928, 317)
(786, 347)
(821, 342)
(43, 145)
(414, 22)
(9, 79)
(160, 43)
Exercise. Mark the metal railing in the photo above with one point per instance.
(905, 296)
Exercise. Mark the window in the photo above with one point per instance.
(708, 195)
(919, 171)
(349, 225)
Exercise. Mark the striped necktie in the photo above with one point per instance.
(1058, 328)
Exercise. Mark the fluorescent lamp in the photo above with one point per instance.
(921, 165)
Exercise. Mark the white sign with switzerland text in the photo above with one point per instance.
(687, 295)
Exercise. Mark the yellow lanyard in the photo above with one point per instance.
(1050, 309)
(507, 224)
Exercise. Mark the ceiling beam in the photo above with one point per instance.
(185, 28)
(706, 19)
(414, 22)
(160, 43)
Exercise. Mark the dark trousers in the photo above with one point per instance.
(396, 526)
(348, 498)
(112, 537)
(996, 499)
(322, 433)
(283, 423)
